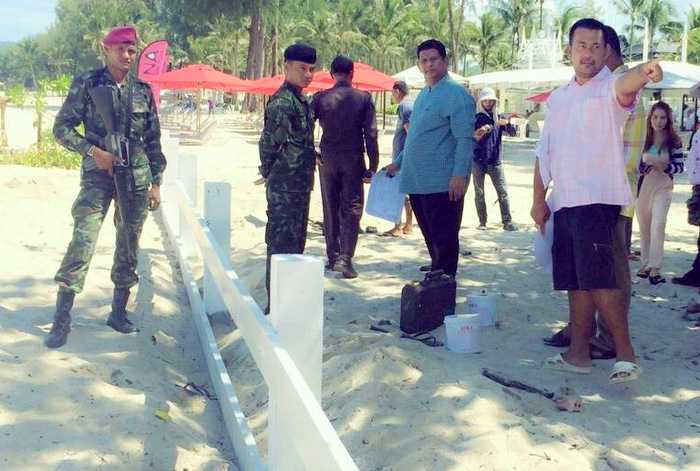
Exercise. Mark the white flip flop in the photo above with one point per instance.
(557, 363)
(624, 371)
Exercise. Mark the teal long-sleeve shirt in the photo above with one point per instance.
(440, 141)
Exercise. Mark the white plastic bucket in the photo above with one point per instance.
(483, 304)
(463, 333)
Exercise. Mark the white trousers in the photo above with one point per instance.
(652, 209)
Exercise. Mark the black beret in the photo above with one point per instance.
(300, 52)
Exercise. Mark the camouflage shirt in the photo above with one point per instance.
(287, 153)
(147, 159)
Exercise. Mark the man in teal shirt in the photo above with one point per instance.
(436, 161)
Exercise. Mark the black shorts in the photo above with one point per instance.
(582, 252)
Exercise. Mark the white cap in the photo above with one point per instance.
(487, 94)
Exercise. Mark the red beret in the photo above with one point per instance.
(121, 35)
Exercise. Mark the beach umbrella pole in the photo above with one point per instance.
(383, 110)
(199, 111)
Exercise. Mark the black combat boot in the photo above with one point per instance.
(344, 266)
(61, 319)
(117, 318)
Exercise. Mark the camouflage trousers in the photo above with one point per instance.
(287, 219)
(89, 210)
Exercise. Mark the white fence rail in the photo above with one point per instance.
(287, 347)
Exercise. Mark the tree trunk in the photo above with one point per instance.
(236, 46)
(254, 65)
(634, 18)
(460, 24)
(274, 43)
(453, 36)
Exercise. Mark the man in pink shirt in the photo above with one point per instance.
(581, 153)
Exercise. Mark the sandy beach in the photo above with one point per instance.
(397, 404)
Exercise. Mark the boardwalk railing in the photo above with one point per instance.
(287, 346)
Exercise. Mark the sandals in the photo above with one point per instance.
(656, 279)
(624, 371)
(557, 363)
(560, 339)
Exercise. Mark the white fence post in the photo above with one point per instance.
(170, 203)
(187, 175)
(217, 213)
(296, 308)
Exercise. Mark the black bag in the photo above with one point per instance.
(424, 304)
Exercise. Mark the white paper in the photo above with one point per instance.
(543, 242)
(543, 245)
(385, 201)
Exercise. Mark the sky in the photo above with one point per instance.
(21, 18)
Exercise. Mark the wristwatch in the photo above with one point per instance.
(91, 152)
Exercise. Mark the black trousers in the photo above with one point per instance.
(343, 200)
(439, 220)
(696, 262)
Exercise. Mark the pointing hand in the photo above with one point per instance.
(652, 70)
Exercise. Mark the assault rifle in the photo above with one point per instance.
(117, 144)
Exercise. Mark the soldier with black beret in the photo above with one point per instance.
(288, 157)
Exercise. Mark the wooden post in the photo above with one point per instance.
(217, 213)
(296, 312)
(3, 123)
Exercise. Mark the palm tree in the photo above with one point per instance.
(517, 15)
(28, 52)
(565, 20)
(633, 9)
(694, 18)
(694, 35)
(387, 19)
(318, 29)
(658, 14)
(456, 26)
(488, 33)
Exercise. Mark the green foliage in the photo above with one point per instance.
(49, 154)
(17, 95)
(61, 84)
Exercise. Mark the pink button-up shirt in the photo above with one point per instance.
(581, 150)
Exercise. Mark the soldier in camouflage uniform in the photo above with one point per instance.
(288, 157)
(137, 117)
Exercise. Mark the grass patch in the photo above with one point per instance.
(50, 154)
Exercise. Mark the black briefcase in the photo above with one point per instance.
(424, 304)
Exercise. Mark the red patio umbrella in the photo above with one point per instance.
(364, 78)
(198, 77)
(540, 97)
(269, 85)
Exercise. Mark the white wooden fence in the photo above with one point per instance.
(287, 347)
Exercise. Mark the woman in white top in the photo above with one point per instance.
(662, 158)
